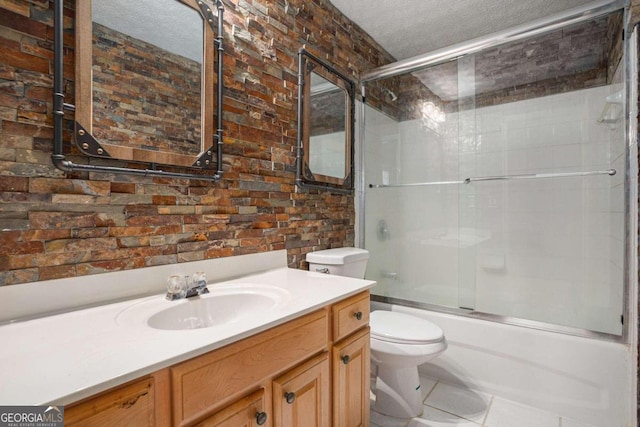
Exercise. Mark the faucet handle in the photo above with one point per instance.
(188, 282)
(198, 284)
(176, 287)
(179, 287)
(199, 278)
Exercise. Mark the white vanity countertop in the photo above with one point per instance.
(64, 358)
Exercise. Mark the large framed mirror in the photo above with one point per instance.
(326, 101)
(146, 81)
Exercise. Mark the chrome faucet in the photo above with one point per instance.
(180, 287)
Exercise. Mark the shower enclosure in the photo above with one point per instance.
(494, 176)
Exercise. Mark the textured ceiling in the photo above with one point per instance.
(406, 28)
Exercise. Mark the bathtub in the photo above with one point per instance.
(581, 378)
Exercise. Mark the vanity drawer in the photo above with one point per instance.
(350, 315)
(131, 404)
(243, 412)
(203, 384)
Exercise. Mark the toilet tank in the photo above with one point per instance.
(350, 262)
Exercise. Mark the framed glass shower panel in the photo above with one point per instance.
(502, 176)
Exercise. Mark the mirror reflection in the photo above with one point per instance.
(151, 83)
(327, 130)
(147, 75)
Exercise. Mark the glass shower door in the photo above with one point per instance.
(413, 231)
(496, 181)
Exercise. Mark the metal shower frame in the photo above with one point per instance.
(572, 16)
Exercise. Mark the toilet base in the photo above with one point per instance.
(398, 391)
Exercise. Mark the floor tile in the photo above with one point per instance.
(568, 422)
(426, 385)
(432, 417)
(387, 421)
(505, 413)
(460, 401)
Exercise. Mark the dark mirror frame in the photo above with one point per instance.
(210, 159)
(305, 177)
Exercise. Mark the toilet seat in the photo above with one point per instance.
(400, 328)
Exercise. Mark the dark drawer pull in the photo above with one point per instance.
(345, 359)
(358, 315)
(290, 397)
(261, 418)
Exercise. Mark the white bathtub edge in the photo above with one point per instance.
(559, 373)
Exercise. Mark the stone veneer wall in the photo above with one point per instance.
(582, 56)
(56, 225)
(144, 96)
(579, 57)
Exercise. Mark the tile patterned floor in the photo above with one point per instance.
(447, 405)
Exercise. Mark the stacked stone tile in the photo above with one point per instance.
(58, 225)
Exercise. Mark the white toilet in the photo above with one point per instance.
(399, 342)
(349, 262)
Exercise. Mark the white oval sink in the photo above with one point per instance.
(224, 304)
(210, 311)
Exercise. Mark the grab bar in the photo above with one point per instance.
(610, 172)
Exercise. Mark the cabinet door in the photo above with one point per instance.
(130, 405)
(351, 366)
(247, 412)
(301, 396)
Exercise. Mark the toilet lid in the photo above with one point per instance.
(403, 328)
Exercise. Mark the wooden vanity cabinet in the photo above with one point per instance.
(351, 361)
(351, 366)
(302, 395)
(350, 315)
(142, 402)
(249, 411)
(203, 385)
(312, 371)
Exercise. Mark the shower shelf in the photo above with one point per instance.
(500, 178)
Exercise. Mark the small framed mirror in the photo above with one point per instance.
(326, 101)
(145, 81)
